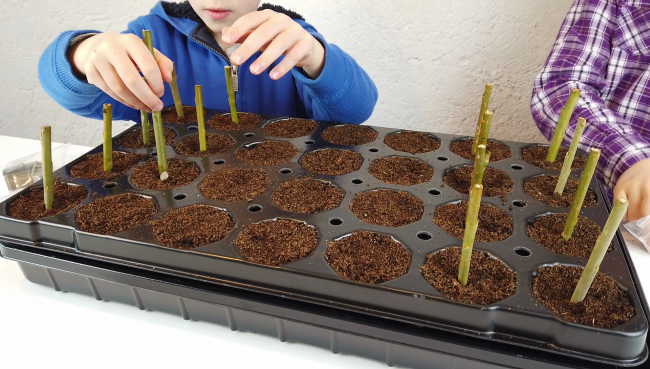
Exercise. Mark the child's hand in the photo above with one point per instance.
(275, 34)
(634, 185)
(112, 62)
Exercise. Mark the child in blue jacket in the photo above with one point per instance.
(284, 67)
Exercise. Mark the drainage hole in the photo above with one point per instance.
(249, 134)
(285, 171)
(219, 161)
(110, 184)
(357, 181)
(310, 142)
(180, 196)
(192, 128)
(522, 251)
(154, 153)
(336, 221)
(516, 167)
(255, 208)
(373, 150)
(443, 158)
(434, 192)
(519, 203)
(425, 236)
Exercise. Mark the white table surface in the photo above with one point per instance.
(43, 328)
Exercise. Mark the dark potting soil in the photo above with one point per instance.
(133, 138)
(498, 151)
(349, 134)
(235, 184)
(93, 166)
(169, 115)
(536, 156)
(331, 162)
(412, 142)
(276, 242)
(307, 196)
(115, 213)
(368, 257)
(494, 224)
(606, 304)
(267, 153)
(489, 281)
(542, 188)
(547, 231)
(181, 172)
(401, 171)
(387, 208)
(192, 226)
(495, 182)
(225, 123)
(215, 144)
(31, 206)
(291, 128)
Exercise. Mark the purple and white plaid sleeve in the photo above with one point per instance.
(603, 49)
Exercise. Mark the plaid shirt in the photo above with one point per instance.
(603, 49)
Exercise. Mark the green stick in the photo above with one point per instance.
(480, 163)
(198, 99)
(146, 37)
(485, 102)
(485, 129)
(471, 225)
(579, 197)
(160, 145)
(568, 159)
(231, 95)
(562, 125)
(108, 138)
(144, 118)
(175, 94)
(599, 251)
(48, 175)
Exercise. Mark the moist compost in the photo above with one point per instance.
(489, 281)
(331, 162)
(133, 138)
(605, 306)
(307, 196)
(547, 231)
(349, 135)
(368, 257)
(536, 156)
(93, 166)
(192, 226)
(224, 122)
(494, 224)
(412, 142)
(495, 182)
(215, 144)
(387, 208)
(169, 115)
(181, 172)
(267, 153)
(30, 205)
(235, 184)
(401, 171)
(542, 188)
(276, 242)
(498, 151)
(115, 213)
(291, 128)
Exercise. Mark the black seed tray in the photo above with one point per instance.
(518, 320)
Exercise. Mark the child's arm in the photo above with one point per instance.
(104, 69)
(580, 59)
(336, 88)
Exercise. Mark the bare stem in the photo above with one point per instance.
(485, 102)
(231, 95)
(570, 155)
(160, 144)
(471, 225)
(485, 129)
(198, 98)
(146, 37)
(562, 125)
(579, 197)
(108, 138)
(176, 94)
(599, 251)
(480, 162)
(144, 116)
(48, 172)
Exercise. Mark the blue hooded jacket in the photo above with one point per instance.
(343, 92)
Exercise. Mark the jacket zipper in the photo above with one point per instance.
(234, 70)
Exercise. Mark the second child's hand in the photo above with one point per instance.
(275, 34)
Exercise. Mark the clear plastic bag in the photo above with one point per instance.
(641, 230)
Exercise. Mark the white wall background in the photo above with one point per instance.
(430, 59)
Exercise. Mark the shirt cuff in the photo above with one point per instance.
(63, 68)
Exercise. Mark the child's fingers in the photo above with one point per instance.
(95, 78)
(260, 37)
(284, 41)
(130, 78)
(243, 25)
(165, 64)
(146, 63)
(634, 209)
(296, 54)
(114, 83)
(645, 205)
